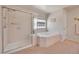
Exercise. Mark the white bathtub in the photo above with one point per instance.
(47, 34)
(46, 39)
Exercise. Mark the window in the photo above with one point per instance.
(39, 24)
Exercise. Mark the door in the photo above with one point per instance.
(16, 29)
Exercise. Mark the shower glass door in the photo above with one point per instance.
(16, 29)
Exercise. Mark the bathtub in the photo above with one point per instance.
(46, 39)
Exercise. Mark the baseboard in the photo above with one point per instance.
(18, 49)
(73, 40)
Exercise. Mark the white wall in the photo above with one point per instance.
(60, 24)
(64, 24)
(71, 13)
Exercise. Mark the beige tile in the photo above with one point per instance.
(60, 47)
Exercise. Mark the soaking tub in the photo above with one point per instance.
(46, 39)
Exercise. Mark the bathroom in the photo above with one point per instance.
(30, 27)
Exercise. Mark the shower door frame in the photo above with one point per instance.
(3, 26)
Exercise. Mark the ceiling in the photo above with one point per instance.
(50, 8)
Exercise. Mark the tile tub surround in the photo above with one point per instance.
(46, 39)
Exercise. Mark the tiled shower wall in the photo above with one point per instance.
(0, 31)
(18, 8)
